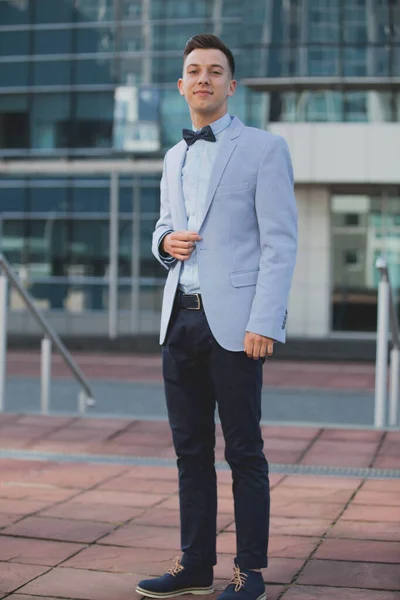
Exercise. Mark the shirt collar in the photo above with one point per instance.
(219, 125)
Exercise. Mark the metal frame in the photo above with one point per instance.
(386, 316)
(85, 398)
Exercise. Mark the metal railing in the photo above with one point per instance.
(384, 414)
(85, 397)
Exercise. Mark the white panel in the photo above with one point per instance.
(343, 152)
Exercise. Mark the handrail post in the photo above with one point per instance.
(45, 375)
(382, 346)
(394, 387)
(3, 337)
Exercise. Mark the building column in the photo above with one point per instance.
(310, 298)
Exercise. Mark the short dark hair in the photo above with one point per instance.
(208, 40)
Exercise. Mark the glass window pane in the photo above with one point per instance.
(98, 70)
(13, 196)
(52, 72)
(50, 123)
(132, 9)
(14, 43)
(94, 10)
(48, 196)
(52, 42)
(174, 115)
(174, 37)
(14, 122)
(172, 9)
(48, 11)
(131, 70)
(94, 39)
(94, 120)
(131, 38)
(324, 21)
(232, 8)
(14, 74)
(91, 197)
(166, 69)
(15, 12)
(150, 200)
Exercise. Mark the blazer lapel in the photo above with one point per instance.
(225, 152)
(175, 193)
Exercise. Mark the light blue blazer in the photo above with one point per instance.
(249, 235)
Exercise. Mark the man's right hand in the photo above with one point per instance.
(180, 244)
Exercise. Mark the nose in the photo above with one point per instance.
(204, 77)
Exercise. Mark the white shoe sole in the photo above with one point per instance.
(194, 591)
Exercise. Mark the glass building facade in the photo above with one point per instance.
(95, 81)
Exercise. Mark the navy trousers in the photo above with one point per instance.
(198, 375)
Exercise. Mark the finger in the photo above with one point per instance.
(185, 236)
(249, 348)
(181, 244)
(264, 350)
(256, 349)
(270, 348)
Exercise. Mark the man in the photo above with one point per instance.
(227, 233)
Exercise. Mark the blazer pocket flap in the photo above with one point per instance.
(242, 278)
(241, 186)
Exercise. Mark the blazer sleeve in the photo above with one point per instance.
(164, 223)
(276, 212)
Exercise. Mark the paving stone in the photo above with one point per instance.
(296, 526)
(352, 435)
(123, 560)
(13, 576)
(35, 552)
(28, 491)
(308, 433)
(133, 484)
(282, 507)
(387, 462)
(322, 494)
(366, 530)
(79, 476)
(345, 446)
(85, 585)
(381, 485)
(142, 536)
(314, 457)
(301, 592)
(150, 472)
(21, 507)
(356, 550)
(351, 574)
(59, 529)
(280, 546)
(372, 513)
(9, 519)
(162, 517)
(318, 481)
(135, 499)
(93, 512)
(381, 498)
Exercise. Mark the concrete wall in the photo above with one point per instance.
(343, 152)
(310, 299)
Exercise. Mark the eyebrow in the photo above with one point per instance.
(216, 65)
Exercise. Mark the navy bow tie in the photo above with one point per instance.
(191, 137)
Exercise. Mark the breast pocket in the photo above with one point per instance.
(243, 278)
(241, 186)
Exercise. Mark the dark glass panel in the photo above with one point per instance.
(324, 21)
(94, 119)
(149, 265)
(94, 10)
(131, 38)
(176, 9)
(14, 43)
(57, 41)
(131, 70)
(51, 123)
(52, 72)
(50, 11)
(174, 37)
(132, 9)
(90, 197)
(14, 74)
(48, 195)
(233, 8)
(94, 39)
(95, 71)
(150, 200)
(12, 196)
(174, 116)
(15, 12)
(14, 122)
(166, 69)
(356, 107)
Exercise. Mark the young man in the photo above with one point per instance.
(228, 235)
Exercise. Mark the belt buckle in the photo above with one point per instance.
(198, 303)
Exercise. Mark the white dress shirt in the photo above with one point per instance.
(196, 173)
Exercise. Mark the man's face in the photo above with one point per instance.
(206, 81)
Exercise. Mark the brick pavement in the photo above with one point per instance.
(84, 531)
(147, 368)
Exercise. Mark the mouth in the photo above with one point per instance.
(203, 93)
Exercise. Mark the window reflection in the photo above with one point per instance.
(364, 228)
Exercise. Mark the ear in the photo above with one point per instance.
(181, 87)
(232, 87)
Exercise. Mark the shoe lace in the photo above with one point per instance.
(177, 568)
(239, 578)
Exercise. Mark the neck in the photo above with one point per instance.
(201, 120)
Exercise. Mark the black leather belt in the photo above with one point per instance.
(189, 301)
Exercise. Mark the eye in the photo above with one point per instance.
(192, 72)
(217, 73)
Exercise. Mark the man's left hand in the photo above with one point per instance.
(258, 346)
